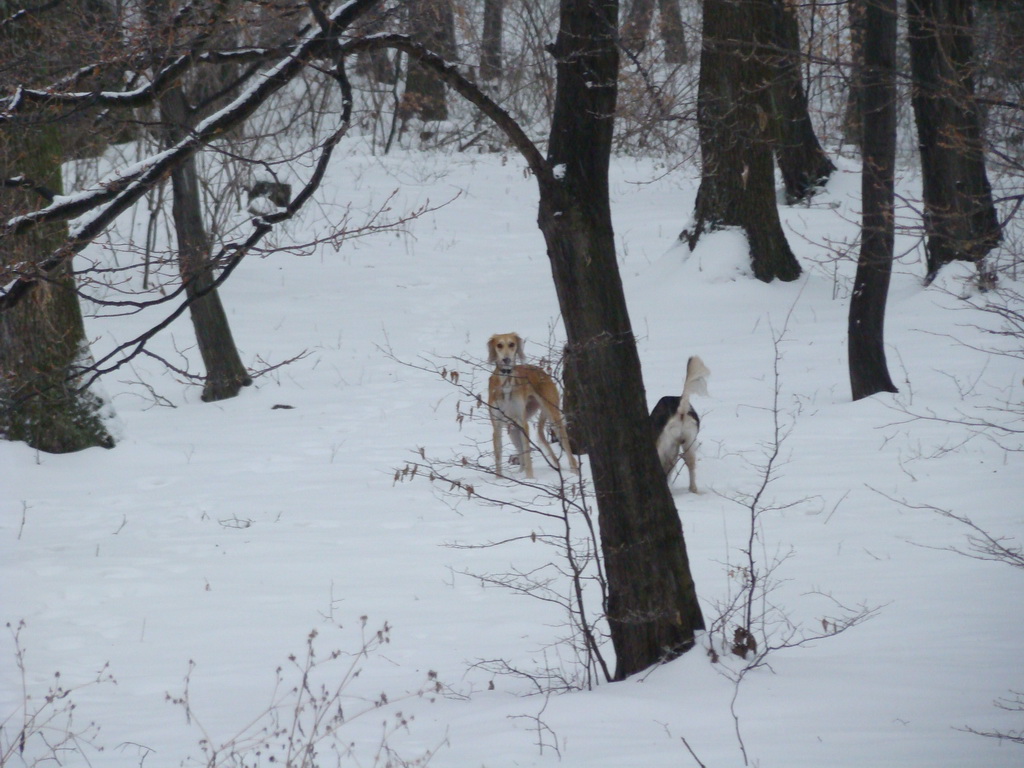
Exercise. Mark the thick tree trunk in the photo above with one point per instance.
(853, 131)
(869, 373)
(636, 28)
(491, 65)
(672, 32)
(375, 63)
(431, 23)
(653, 611)
(960, 217)
(803, 162)
(575, 425)
(225, 372)
(737, 187)
(43, 349)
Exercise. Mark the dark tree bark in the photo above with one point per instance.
(43, 348)
(804, 164)
(999, 50)
(44, 352)
(432, 24)
(960, 217)
(636, 28)
(574, 423)
(737, 187)
(491, 65)
(672, 32)
(869, 373)
(225, 372)
(375, 62)
(853, 133)
(653, 611)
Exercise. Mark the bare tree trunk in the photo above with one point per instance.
(636, 27)
(673, 34)
(853, 131)
(431, 23)
(869, 373)
(803, 162)
(43, 349)
(491, 65)
(575, 425)
(375, 62)
(653, 612)
(960, 217)
(737, 185)
(225, 372)
(652, 609)
(44, 352)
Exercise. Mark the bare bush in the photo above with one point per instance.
(311, 704)
(41, 731)
(301, 727)
(560, 518)
(751, 626)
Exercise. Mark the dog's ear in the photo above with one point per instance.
(520, 351)
(492, 356)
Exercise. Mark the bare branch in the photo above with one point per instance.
(113, 196)
(450, 74)
(981, 545)
(23, 182)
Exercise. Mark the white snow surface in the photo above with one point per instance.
(203, 550)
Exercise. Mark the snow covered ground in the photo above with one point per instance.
(192, 561)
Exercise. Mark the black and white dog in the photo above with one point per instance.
(675, 423)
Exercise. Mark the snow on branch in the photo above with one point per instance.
(99, 206)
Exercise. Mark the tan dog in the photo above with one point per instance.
(515, 393)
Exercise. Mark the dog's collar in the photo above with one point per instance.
(506, 371)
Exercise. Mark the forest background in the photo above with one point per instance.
(773, 171)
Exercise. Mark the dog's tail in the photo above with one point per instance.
(696, 382)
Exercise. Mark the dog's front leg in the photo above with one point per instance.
(496, 424)
(520, 434)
